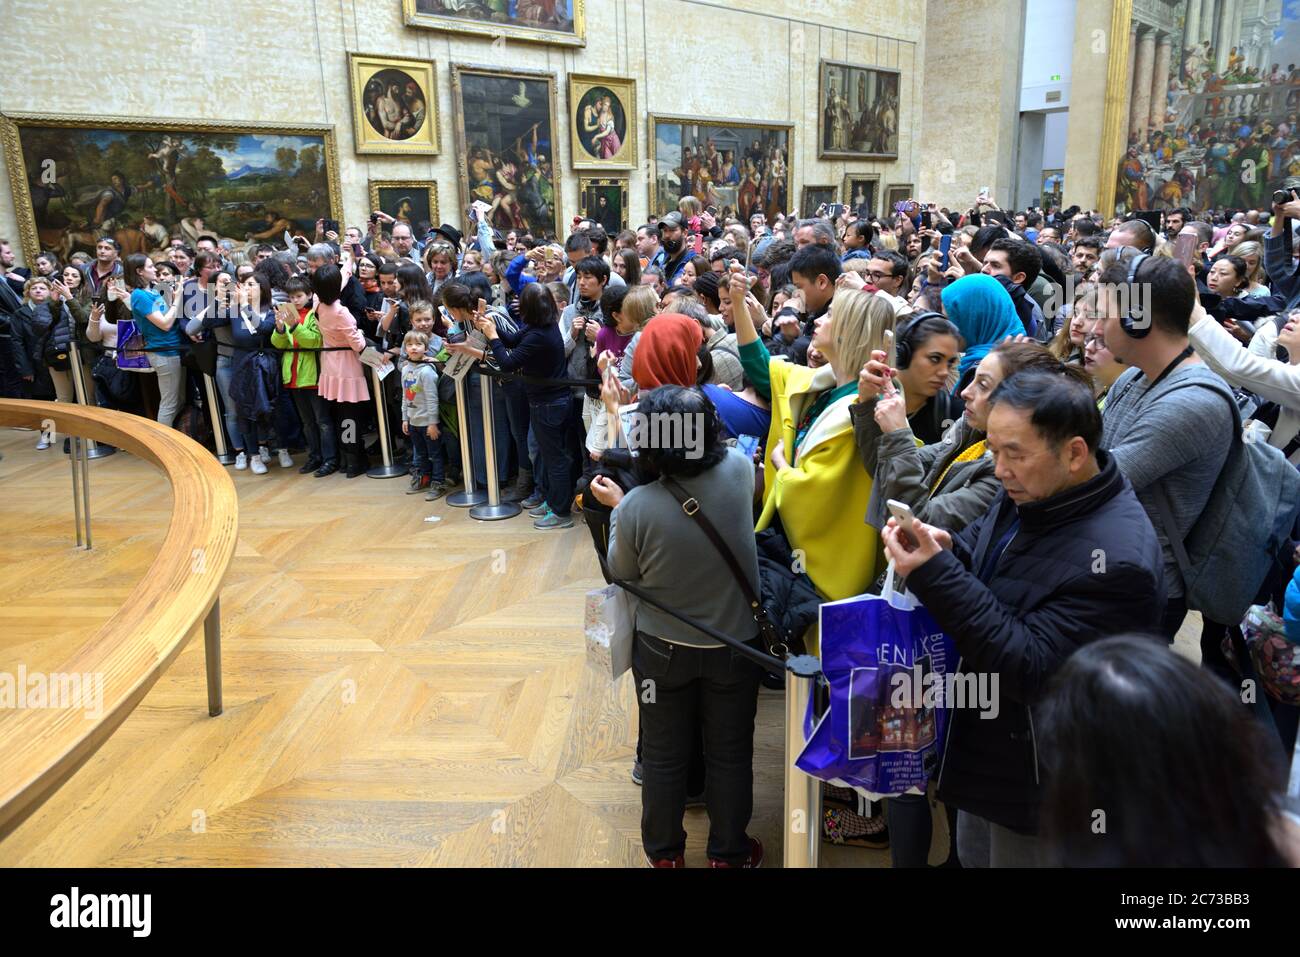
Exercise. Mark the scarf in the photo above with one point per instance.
(983, 312)
(666, 352)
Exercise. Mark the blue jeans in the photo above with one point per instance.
(550, 421)
(224, 373)
(429, 455)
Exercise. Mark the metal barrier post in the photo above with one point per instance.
(95, 450)
(224, 455)
(79, 450)
(75, 462)
(469, 495)
(387, 469)
(493, 509)
(212, 657)
(803, 812)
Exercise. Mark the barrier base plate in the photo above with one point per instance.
(492, 513)
(388, 471)
(465, 499)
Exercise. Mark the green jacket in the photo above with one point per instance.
(305, 335)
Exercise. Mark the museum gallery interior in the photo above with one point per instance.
(437, 433)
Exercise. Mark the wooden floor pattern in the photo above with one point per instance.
(397, 692)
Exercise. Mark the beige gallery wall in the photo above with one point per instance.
(281, 61)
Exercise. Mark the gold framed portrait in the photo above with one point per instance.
(408, 201)
(896, 193)
(561, 22)
(740, 166)
(394, 105)
(147, 180)
(814, 197)
(506, 147)
(604, 201)
(860, 189)
(602, 122)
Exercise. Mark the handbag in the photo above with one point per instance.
(609, 628)
(779, 638)
(131, 356)
(201, 356)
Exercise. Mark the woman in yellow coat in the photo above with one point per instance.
(814, 481)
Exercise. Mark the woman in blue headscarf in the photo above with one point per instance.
(981, 308)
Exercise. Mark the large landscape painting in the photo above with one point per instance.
(145, 183)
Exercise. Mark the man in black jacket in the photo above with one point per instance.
(1064, 556)
(813, 270)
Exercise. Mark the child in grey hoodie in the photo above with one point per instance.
(420, 418)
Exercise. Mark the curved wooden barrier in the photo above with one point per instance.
(40, 748)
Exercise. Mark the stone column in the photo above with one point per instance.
(1143, 71)
(1132, 61)
(1160, 82)
(1209, 8)
(1192, 24)
(1226, 41)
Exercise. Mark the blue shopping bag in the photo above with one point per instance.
(887, 663)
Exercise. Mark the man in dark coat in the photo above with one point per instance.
(1064, 556)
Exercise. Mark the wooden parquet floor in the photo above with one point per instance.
(397, 692)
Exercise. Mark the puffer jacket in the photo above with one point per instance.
(907, 472)
(1080, 566)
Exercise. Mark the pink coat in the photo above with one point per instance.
(342, 376)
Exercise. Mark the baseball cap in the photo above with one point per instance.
(673, 220)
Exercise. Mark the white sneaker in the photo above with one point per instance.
(42, 444)
(264, 453)
(286, 460)
(259, 467)
(241, 461)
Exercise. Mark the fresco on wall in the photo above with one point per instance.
(1212, 117)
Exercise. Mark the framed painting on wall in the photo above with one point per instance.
(861, 189)
(604, 201)
(858, 116)
(738, 166)
(896, 193)
(506, 145)
(394, 105)
(815, 197)
(602, 122)
(407, 201)
(532, 21)
(145, 181)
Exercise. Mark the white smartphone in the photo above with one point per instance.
(903, 513)
(891, 349)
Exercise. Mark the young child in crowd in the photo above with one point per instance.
(561, 293)
(296, 328)
(420, 418)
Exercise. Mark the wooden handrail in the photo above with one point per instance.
(40, 748)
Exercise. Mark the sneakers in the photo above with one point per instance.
(755, 858)
(241, 461)
(538, 511)
(551, 520)
(436, 491)
(532, 501)
(637, 773)
(264, 453)
(286, 460)
(677, 861)
(42, 443)
(418, 484)
(259, 467)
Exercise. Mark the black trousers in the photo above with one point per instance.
(679, 690)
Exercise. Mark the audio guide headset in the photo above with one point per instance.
(1139, 326)
(904, 339)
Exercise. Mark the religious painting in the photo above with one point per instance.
(532, 21)
(604, 201)
(506, 146)
(862, 189)
(739, 167)
(1208, 116)
(145, 182)
(815, 197)
(394, 105)
(602, 122)
(859, 111)
(413, 202)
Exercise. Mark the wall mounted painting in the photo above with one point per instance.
(896, 193)
(862, 189)
(407, 201)
(145, 181)
(394, 105)
(604, 201)
(815, 197)
(738, 166)
(506, 146)
(602, 122)
(531, 21)
(859, 111)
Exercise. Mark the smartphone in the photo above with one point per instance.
(357, 250)
(926, 219)
(903, 513)
(1185, 247)
(747, 444)
(331, 225)
(945, 243)
(891, 349)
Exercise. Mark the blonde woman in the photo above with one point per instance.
(1067, 345)
(1252, 252)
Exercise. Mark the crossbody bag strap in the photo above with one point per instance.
(691, 506)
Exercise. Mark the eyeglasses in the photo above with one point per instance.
(879, 275)
(1097, 342)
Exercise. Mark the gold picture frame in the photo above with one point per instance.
(590, 188)
(849, 197)
(897, 193)
(56, 147)
(499, 32)
(815, 196)
(476, 82)
(386, 195)
(889, 83)
(769, 132)
(586, 145)
(366, 70)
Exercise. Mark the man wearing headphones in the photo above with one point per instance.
(1134, 232)
(1165, 437)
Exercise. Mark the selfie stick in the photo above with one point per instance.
(493, 509)
(468, 496)
(387, 469)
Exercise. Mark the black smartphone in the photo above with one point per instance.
(331, 225)
(926, 219)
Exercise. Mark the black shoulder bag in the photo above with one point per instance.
(778, 640)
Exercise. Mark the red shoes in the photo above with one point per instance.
(755, 858)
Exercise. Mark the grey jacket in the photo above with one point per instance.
(901, 470)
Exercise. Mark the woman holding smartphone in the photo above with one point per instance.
(157, 324)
